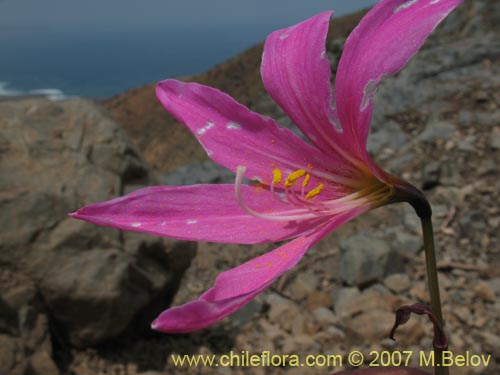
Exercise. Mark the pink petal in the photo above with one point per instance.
(233, 135)
(296, 73)
(198, 213)
(238, 286)
(384, 41)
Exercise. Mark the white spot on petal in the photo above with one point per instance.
(405, 5)
(283, 36)
(233, 126)
(323, 55)
(368, 93)
(332, 116)
(434, 2)
(180, 95)
(209, 125)
(163, 223)
(336, 124)
(136, 225)
(191, 221)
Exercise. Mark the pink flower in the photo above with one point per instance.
(305, 190)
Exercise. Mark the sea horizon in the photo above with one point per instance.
(108, 63)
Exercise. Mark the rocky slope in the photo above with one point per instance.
(437, 124)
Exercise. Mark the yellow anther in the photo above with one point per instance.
(277, 176)
(294, 176)
(314, 192)
(306, 180)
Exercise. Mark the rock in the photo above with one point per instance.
(17, 291)
(318, 299)
(412, 223)
(76, 298)
(492, 343)
(389, 136)
(271, 331)
(468, 118)
(300, 344)
(23, 317)
(495, 285)
(365, 259)
(325, 316)
(94, 281)
(431, 175)
(468, 144)
(12, 361)
(342, 300)
(405, 243)
(484, 291)
(435, 130)
(473, 221)
(282, 311)
(335, 334)
(495, 141)
(42, 364)
(304, 284)
(420, 292)
(55, 142)
(371, 325)
(375, 324)
(398, 283)
(493, 270)
(369, 299)
(247, 312)
(199, 173)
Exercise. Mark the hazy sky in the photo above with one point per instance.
(88, 16)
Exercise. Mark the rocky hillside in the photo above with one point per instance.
(76, 299)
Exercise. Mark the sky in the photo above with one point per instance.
(88, 16)
(98, 48)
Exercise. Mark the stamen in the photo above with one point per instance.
(298, 214)
(314, 192)
(277, 176)
(304, 208)
(294, 176)
(347, 181)
(306, 180)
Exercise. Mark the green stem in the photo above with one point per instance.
(432, 280)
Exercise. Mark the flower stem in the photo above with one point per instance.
(432, 280)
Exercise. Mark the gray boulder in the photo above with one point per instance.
(366, 259)
(95, 282)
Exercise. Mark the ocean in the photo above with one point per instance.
(105, 64)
